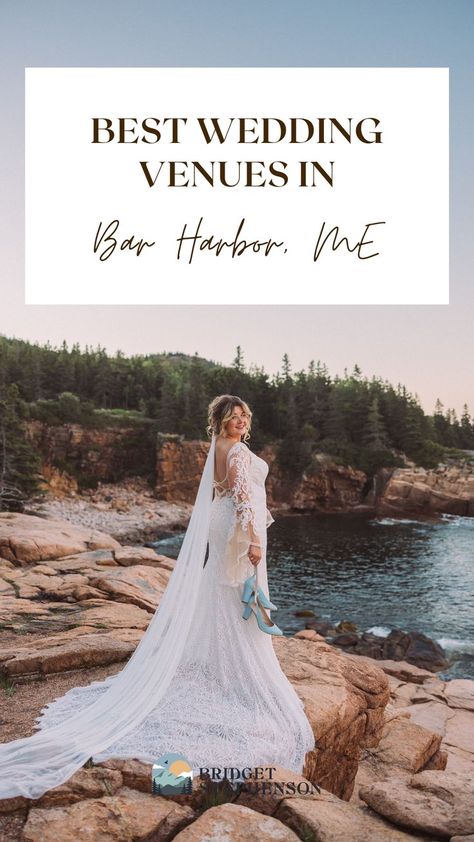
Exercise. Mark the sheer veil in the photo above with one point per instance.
(32, 765)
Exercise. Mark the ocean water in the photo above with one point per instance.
(380, 574)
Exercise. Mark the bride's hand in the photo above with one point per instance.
(254, 554)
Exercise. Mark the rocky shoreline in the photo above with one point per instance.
(128, 511)
(395, 752)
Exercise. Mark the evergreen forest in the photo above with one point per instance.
(362, 421)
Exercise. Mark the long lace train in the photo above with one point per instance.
(229, 703)
(203, 681)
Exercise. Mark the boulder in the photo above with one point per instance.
(82, 651)
(405, 745)
(265, 792)
(412, 647)
(126, 816)
(28, 538)
(456, 726)
(141, 586)
(459, 693)
(433, 802)
(237, 823)
(83, 562)
(415, 648)
(93, 782)
(135, 773)
(127, 556)
(325, 817)
(113, 615)
(405, 748)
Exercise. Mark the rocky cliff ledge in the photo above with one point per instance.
(415, 491)
(74, 456)
(332, 488)
(329, 488)
(394, 748)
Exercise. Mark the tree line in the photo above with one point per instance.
(358, 421)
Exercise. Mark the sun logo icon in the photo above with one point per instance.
(171, 774)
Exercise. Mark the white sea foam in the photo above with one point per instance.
(393, 521)
(380, 631)
(458, 520)
(456, 645)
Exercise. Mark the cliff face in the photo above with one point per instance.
(179, 466)
(72, 453)
(334, 488)
(330, 488)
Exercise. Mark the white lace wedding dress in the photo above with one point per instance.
(228, 703)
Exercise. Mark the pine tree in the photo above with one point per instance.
(286, 367)
(376, 434)
(238, 361)
(294, 452)
(333, 426)
(356, 372)
(167, 415)
(19, 464)
(467, 431)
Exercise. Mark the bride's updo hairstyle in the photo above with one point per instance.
(220, 411)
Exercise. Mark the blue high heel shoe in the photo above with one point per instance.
(253, 605)
(248, 588)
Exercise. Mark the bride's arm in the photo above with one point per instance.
(239, 483)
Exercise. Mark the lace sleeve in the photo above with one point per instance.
(238, 471)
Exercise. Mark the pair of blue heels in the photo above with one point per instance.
(256, 601)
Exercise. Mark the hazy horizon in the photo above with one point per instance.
(429, 349)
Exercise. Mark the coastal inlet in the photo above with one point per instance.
(378, 573)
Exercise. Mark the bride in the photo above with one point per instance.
(204, 680)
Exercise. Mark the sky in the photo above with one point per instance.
(429, 349)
